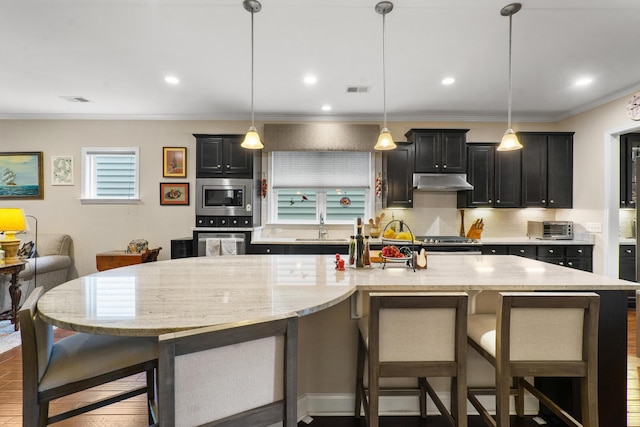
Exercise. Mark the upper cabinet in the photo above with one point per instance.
(397, 168)
(495, 177)
(547, 169)
(220, 156)
(439, 150)
(628, 142)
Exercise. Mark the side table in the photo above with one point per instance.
(14, 290)
(115, 259)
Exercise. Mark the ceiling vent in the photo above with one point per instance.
(358, 89)
(75, 99)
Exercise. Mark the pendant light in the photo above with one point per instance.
(385, 140)
(510, 139)
(252, 139)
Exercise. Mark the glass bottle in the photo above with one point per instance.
(359, 245)
(352, 250)
(366, 258)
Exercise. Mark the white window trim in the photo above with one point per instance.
(86, 176)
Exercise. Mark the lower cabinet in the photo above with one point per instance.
(182, 247)
(579, 257)
(284, 249)
(627, 269)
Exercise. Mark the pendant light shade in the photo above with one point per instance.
(385, 140)
(252, 139)
(510, 139)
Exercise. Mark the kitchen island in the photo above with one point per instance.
(153, 298)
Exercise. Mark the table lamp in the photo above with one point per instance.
(12, 220)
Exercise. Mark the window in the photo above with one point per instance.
(308, 185)
(110, 175)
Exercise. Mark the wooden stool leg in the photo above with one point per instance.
(519, 397)
(423, 397)
(503, 387)
(459, 405)
(359, 375)
(374, 392)
(589, 402)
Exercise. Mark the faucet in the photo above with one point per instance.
(322, 233)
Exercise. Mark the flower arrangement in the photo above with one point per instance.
(264, 187)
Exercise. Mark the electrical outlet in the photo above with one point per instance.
(594, 227)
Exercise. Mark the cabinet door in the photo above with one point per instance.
(534, 170)
(627, 174)
(428, 152)
(398, 172)
(453, 149)
(526, 251)
(209, 157)
(495, 250)
(627, 266)
(480, 166)
(237, 160)
(560, 171)
(508, 183)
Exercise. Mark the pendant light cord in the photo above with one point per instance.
(252, 112)
(510, 78)
(384, 74)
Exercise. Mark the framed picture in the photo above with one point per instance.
(21, 175)
(61, 170)
(174, 193)
(174, 162)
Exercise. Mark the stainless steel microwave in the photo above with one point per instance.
(224, 197)
(550, 230)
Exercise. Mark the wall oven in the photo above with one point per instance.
(226, 202)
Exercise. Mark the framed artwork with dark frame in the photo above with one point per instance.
(174, 193)
(174, 162)
(21, 175)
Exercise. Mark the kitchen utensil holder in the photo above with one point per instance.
(410, 261)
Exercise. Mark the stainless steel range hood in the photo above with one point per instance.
(441, 182)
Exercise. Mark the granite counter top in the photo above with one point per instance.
(164, 296)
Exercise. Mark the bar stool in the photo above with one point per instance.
(414, 335)
(539, 334)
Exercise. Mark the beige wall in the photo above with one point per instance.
(97, 228)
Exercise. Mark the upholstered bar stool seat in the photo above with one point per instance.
(539, 334)
(413, 335)
(75, 363)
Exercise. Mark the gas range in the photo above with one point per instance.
(448, 243)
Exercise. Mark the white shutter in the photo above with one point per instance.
(321, 169)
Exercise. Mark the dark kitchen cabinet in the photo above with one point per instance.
(579, 257)
(182, 247)
(495, 177)
(220, 156)
(439, 150)
(628, 142)
(627, 260)
(397, 170)
(547, 169)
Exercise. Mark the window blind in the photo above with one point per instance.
(321, 169)
(115, 175)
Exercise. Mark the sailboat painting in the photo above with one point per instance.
(21, 176)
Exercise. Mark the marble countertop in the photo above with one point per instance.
(165, 296)
(343, 241)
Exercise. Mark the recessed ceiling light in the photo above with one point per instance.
(584, 81)
(311, 80)
(448, 81)
(172, 80)
(326, 107)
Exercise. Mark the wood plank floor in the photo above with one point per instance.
(132, 413)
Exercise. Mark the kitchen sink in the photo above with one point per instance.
(303, 239)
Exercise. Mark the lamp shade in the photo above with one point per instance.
(509, 141)
(12, 220)
(252, 140)
(385, 141)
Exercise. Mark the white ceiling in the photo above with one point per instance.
(116, 54)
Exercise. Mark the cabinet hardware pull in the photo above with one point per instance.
(579, 251)
(521, 251)
(497, 201)
(544, 201)
(436, 165)
(228, 166)
(628, 251)
(493, 251)
(550, 251)
(444, 166)
(490, 201)
(551, 201)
